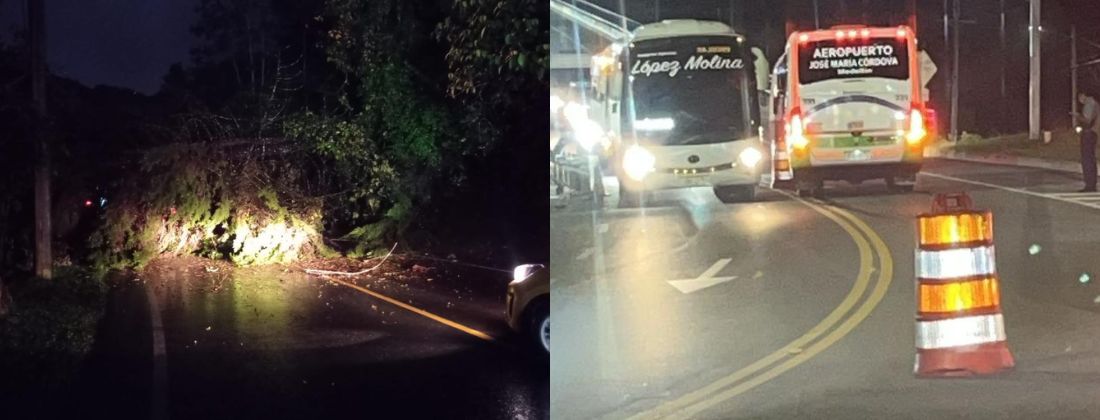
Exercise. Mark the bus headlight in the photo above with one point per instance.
(638, 162)
(750, 157)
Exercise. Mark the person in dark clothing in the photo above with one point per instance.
(1088, 122)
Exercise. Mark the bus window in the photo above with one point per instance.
(701, 87)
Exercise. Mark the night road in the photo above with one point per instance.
(272, 342)
(791, 308)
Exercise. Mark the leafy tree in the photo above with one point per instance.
(371, 106)
(498, 58)
(392, 138)
(497, 62)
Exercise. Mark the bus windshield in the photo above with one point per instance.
(853, 58)
(690, 90)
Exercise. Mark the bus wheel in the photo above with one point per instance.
(814, 189)
(893, 184)
(782, 185)
(735, 193)
(819, 191)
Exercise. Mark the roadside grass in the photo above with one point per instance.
(1064, 146)
(50, 330)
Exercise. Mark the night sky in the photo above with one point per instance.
(766, 22)
(127, 43)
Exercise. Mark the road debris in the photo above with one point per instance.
(356, 273)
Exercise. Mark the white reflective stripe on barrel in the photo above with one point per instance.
(958, 332)
(955, 263)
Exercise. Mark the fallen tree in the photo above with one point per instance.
(211, 201)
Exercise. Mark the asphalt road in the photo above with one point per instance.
(785, 308)
(276, 343)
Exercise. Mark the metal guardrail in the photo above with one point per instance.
(573, 174)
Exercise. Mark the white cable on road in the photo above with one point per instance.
(483, 267)
(356, 273)
(425, 257)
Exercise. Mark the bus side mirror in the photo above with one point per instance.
(760, 64)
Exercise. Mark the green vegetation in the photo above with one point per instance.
(201, 200)
(50, 329)
(407, 106)
(296, 125)
(1064, 146)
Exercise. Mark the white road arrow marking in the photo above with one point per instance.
(704, 280)
(587, 253)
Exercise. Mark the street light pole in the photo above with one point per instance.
(1073, 71)
(817, 21)
(955, 72)
(1034, 28)
(1003, 61)
(946, 44)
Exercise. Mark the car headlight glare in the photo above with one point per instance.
(523, 272)
(638, 162)
(588, 133)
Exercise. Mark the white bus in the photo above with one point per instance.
(847, 105)
(677, 102)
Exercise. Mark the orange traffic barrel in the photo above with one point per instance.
(960, 328)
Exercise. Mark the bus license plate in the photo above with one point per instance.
(695, 179)
(699, 179)
(857, 155)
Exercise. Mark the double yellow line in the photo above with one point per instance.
(841, 321)
(415, 310)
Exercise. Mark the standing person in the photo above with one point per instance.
(1089, 122)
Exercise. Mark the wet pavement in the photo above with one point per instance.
(273, 342)
(780, 309)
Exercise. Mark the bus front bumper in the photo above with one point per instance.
(667, 179)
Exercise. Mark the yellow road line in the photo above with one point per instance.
(417, 311)
(883, 283)
(857, 291)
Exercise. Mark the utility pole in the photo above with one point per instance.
(1034, 28)
(657, 10)
(946, 45)
(1003, 52)
(955, 72)
(732, 24)
(43, 255)
(1073, 71)
(817, 20)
